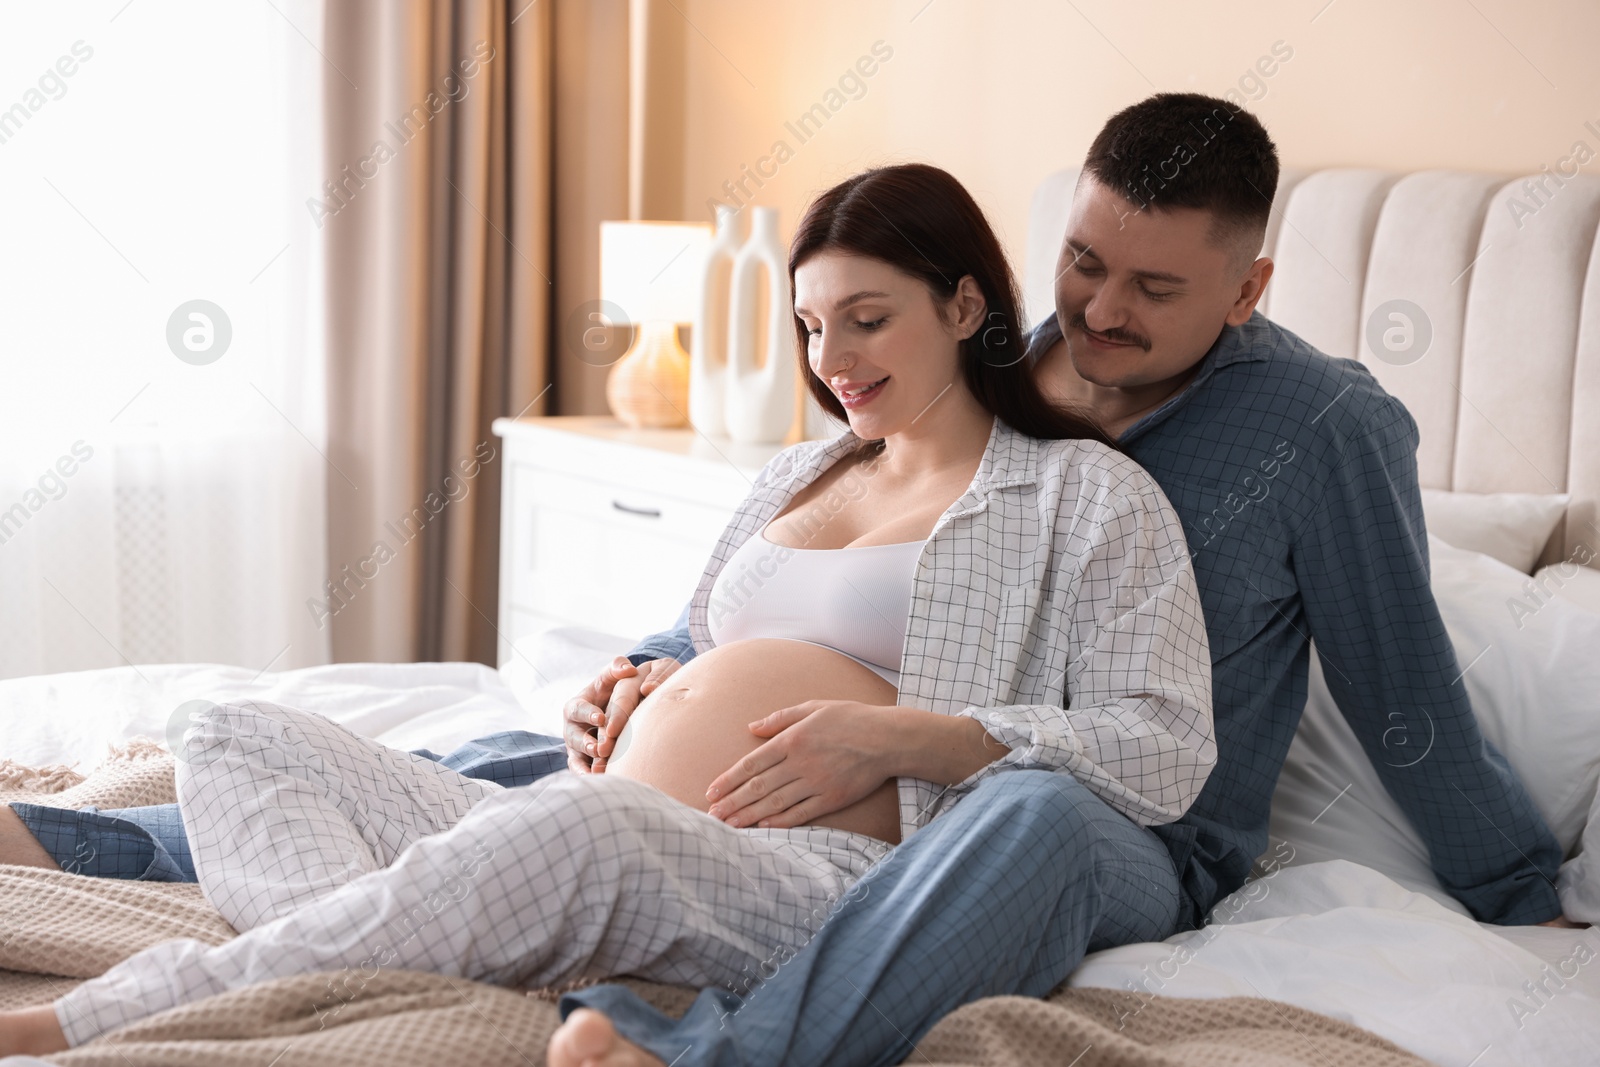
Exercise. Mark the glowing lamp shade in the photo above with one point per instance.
(650, 275)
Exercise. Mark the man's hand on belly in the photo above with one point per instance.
(823, 756)
(590, 732)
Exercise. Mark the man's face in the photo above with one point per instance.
(1142, 295)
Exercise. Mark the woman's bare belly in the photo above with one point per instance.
(697, 725)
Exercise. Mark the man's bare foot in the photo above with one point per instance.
(587, 1039)
(18, 846)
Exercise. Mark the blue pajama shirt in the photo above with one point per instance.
(1295, 477)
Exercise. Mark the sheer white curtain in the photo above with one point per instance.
(159, 501)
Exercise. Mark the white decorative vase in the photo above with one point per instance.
(760, 403)
(708, 364)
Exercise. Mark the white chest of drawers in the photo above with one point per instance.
(607, 528)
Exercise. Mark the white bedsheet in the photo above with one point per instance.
(1344, 940)
(1334, 937)
(69, 718)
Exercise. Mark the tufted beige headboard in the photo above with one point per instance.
(1504, 275)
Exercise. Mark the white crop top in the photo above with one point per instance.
(853, 600)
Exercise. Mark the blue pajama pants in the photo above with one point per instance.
(1003, 894)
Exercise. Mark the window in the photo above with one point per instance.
(161, 411)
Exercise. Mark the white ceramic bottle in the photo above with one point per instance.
(760, 402)
(708, 363)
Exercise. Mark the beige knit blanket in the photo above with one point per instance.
(57, 929)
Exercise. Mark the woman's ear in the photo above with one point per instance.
(968, 307)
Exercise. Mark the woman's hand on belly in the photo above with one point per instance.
(697, 725)
(596, 716)
(822, 756)
(826, 751)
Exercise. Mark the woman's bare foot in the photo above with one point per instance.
(18, 847)
(587, 1039)
(31, 1032)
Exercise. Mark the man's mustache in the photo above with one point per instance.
(1119, 336)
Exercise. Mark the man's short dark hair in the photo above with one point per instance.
(1176, 150)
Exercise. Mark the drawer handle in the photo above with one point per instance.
(649, 513)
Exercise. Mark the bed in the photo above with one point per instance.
(1343, 919)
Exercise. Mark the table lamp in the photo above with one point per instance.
(652, 273)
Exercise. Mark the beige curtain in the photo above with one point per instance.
(437, 229)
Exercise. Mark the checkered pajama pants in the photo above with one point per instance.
(333, 852)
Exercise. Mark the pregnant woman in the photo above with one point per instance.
(967, 581)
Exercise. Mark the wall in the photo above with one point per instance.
(589, 155)
(1002, 92)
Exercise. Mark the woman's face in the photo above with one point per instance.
(878, 341)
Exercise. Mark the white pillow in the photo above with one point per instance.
(1532, 675)
(1511, 527)
(1572, 580)
(1579, 881)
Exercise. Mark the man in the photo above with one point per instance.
(1295, 477)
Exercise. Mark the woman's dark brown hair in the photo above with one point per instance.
(921, 221)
